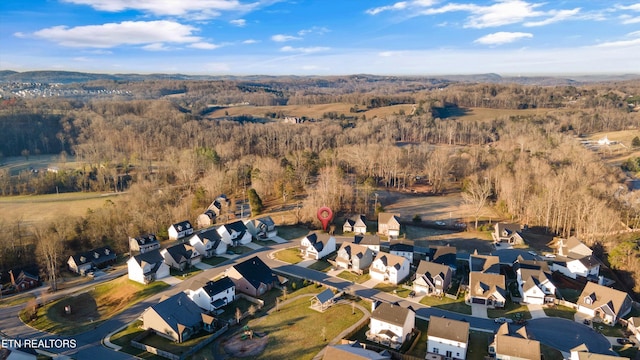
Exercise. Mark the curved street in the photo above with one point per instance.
(549, 331)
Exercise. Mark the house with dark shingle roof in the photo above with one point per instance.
(603, 302)
(354, 351)
(252, 277)
(534, 281)
(516, 346)
(391, 324)
(370, 241)
(432, 278)
(24, 281)
(262, 228)
(356, 224)
(486, 289)
(176, 318)
(99, 258)
(144, 243)
(322, 301)
(389, 267)
(448, 337)
(180, 230)
(234, 233)
(507, 233)
(402, 249)
(208, 243)
(147, 267)
(575, 259)
(181, 256)
(213, 295)
(354, 257)
(317, 245)
(484, 263)
(206, 219)
(445, 255)
(389, 225)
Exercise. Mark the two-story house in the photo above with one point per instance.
(234, 234)
(317, 245)
(82, 263)
(534, 281)
(486, 289)
(181, 256)
(144, 243)
(208, 243)
(356, 225)
(370, 241)
(389, 225)
(180, 230)
(176, 318)
(354, 257)
(507, 233)
(401, 249)
(252, 277)
(213, 295)
(388, 267)
(390, 324)
(603, 302)
(147, 267)
(262, 228)
(448, 338)
(432, 279)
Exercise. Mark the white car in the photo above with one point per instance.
(533, 253)
(502, 320)
(551, 256)
(440, 223)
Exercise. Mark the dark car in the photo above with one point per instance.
(412, 294)
(623, 341)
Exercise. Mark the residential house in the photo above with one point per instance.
(262, 228)
(234, 234)
(354, 257)
(354, 351)
(252, 277)
(517, 346)
(432, 278)
(181, 256)
(220, 205)
(208, 243)
(404, 250)
(486, 289)
(603, 302)
(206, 219)
(176, 318)
(575, 259)
(24, 281)
(484, 263)
(213, 295)
(370, 241)
(180, 230)
(572, 248)
(445, 255)
(581, 352)
(507, 233)
(391, 324)
(356, 224)
(147, 267)
(317, 245)
(534, 282)
(143, 243)
(82, 263)
(389, 225)
(633, 325)
(388, 267)
(448, 337)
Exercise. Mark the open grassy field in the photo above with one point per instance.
(290, 255)
(90, 308)
(32, 209)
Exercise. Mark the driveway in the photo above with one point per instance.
(371, 283)
(203, 266)
(480, 311)
(253, 246)
(171, 280)
(278, 240)
(305, 263)
(536, 311)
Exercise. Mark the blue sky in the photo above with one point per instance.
(321, 37)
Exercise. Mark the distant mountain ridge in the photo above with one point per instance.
(68, 77)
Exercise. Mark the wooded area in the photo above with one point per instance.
(161, 145)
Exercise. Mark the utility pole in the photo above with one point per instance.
(375, 206)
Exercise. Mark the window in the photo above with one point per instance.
(449, 354)
(435, 350)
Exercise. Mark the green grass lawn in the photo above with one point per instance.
(240, 249)
(15, 300)
(289, 255)
(627, 351)
(187, 273)
(264, 242)
(214, 261)
(510, 310)
(290, 232)
(606, 330)
(570, 295)
(393, 289)
(478, 345)
(320, 265)
(358, 279)
(420, 347)
(90, 308)
(560, 311)
(295, 332)
(446, 303)
(549, 353)
(124, 337)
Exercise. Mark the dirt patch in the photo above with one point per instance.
(236, 346)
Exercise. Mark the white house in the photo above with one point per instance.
(448, 338)
(213, 294)
(234, 234)
(603, 302)
(388, 267)
(389, 225)
(587, 266)
(486, 289)
(356, 224)
(317, 245)
(581, 352)
(208, 243)
(262, 228)
(144, 243)
(354, 257)
(633, 325)
(432, 278)
(404, 250)
(534, 282)
(507, 233)
(147, 267)
(180, 230)
(391, 324)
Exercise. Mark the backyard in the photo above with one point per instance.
(458, 305)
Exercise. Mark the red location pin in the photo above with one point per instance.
(325, 215)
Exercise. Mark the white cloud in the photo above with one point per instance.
(387, 53)
(402, 5)
(250, 41)
(304, 50)
(633, 7)
(502, 13)
(313, 30)
(156, 47)
(204, 46)
(116, 34)
(19, 35)
(238, 22)
(502, 37)
(557, 16)
(627, 19)
(284, 38)
(201, 8)
(81, 59)
(218, 67)
(633, 41)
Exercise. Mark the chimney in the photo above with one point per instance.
(13, 279)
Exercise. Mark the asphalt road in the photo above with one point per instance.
(549, 331)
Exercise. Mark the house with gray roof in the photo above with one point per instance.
(356, 224)
(82, 263)
(213, 295)
(208, 243)
(180, 230)
(234, 233)
(368, 240)
(252, 277)
(389, 267)
(402, 249)
(317, 245)
(514, 346)
(181, 256)
(176, 318)
(484, 263)
(445, 255)
(391, 324)
(448, 338)
(206, 219)
(262, 228)
(322, 301)
(534, 281)
(432, 279)
(507, 233)
(389, 225)
(144, 243)
(147, 267)
(354, 257)
(353, 351)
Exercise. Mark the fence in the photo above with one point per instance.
(169, 355)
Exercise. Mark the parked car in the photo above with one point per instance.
(533, 253)
(623, 341)
(441, 223)
(502, 320)
(551, 256)
(412, 294)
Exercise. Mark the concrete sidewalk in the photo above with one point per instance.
(305, 263)
(371, 283)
